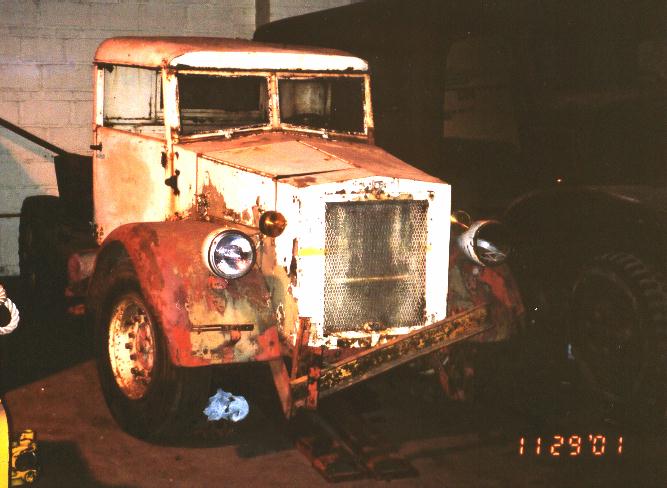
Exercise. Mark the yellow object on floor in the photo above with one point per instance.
(4, 448)
(24, 459)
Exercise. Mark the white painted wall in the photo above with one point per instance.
(46, 48)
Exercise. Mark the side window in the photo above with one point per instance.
(133, 99)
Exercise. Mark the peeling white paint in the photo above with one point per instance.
(269, 61)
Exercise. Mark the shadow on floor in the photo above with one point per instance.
(63, 465)
(41, 345)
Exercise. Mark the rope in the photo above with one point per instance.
(13, 312)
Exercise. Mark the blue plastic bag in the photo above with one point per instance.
(226, 406)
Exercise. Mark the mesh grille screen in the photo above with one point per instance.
(375, 263)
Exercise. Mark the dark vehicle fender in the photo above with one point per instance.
(205, 319)
(563, 228)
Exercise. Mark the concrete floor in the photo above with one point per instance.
(50, 385)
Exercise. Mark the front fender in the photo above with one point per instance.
(471, 284)
(205, 319)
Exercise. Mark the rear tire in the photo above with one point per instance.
(147, 395)
(619, 336)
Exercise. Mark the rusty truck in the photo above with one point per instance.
(236, 210)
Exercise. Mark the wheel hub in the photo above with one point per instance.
(131, 346)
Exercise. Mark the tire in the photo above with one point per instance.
(42, 272)
(619, 336)
(147, 395)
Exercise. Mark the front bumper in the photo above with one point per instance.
(321, 381)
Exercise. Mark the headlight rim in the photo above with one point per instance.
(469, 243)
(210, 253)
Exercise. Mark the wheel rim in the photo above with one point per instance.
(131, 346)
(606, 340)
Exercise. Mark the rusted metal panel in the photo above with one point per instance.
(205, 319)
(232, 194)
(398, 351)
(215, 52)
(281, 381)
(471, 284)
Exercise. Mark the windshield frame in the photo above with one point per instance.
(366, 108)
(173, 120)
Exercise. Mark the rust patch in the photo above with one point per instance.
(269, 345)
(200, 207)
(252, 288)
(181, 298)
(217, 283)
(471, 285)
(257, 212)
(145, 239)
(216, 302)
(216, 206)
(304, 181)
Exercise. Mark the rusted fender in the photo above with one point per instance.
(471, 284)
(205, 319)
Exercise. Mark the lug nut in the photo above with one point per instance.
(137, 372)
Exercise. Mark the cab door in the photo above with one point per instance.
(130, 151)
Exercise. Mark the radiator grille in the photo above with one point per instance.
(375, 263)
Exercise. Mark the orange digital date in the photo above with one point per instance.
(573, 445)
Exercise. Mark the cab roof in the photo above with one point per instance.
(222, 53)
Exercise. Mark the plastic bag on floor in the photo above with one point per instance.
(224, 405)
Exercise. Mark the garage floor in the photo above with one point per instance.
(50, 385)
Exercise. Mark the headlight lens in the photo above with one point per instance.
(231, 254)
(486, 242)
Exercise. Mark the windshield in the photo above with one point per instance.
(210, 103)
(329, 103)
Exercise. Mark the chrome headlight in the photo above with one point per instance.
(486, 242)
(231, 254)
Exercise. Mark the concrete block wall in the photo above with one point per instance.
(280, 9)
(46, 50)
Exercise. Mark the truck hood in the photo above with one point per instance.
(302, 160)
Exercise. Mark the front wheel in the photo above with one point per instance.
(619, 334)
(147, 395)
